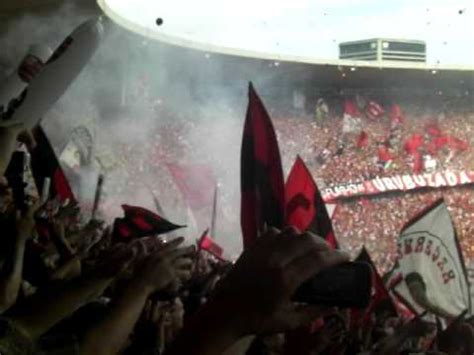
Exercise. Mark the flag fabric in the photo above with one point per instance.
(209, 245)
(351, 109)
(195, 182)
(262, 186)
(380, 297)
(139, 222)
(45, 164)
(457, 144)
(432, 128)
(373, 110)
(429, 253)
(351, 119)
(362, 140)
(305, 208)
(413, 144)
(396, 115)
(384, 154)
(406, 306)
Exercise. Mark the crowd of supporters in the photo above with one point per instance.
(72, 284)
(79, 290)
(379, 147)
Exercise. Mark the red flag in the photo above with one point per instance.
(139, 222)
(384, 154)
(45, 164)
(262, 185)
(374, 110)
(433, 129)
(208, 244)
(396, 115)
(413, 143)
(305, 208)
(457, 144)
(363, 140)
(196, 183)
(351, 109)
(380, 299)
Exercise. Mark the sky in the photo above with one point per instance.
(308, 28)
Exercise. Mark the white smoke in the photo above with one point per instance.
(129, 96)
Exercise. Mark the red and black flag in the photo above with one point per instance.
(45, 164)
(305, 208)
(380, 299)
(139, 222)
(262, 184)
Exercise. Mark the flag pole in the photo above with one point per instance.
(214, 213)
(98, 193)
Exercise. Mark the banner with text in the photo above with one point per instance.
(399, 183)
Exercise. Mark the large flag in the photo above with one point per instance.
(195, 182)
(262, 186)
(429, 255)
(139, 222)
(380, 298)
(45, 164)
(305, 208)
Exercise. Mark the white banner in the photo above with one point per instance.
(428, 254)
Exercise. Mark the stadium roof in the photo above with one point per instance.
(333, 73)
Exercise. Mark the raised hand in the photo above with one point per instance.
(259, 288)
(166, 267)
(255, 297)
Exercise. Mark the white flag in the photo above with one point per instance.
(429, 253)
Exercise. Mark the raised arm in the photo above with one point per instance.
(159, 271)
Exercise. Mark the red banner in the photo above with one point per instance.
(195, 182)
(399, 183)
(305, 208)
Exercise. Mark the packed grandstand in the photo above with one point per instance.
(388, 138)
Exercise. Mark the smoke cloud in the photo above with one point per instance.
(146, 102)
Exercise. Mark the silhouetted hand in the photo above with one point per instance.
(165, 268)
(258, 290)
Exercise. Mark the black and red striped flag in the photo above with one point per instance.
(139, 222)
(380, 298)
(305, 208)
(262, 184)
(45, 164)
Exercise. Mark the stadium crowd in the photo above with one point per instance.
(378, 147)
(70, 284)
(82, 291)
